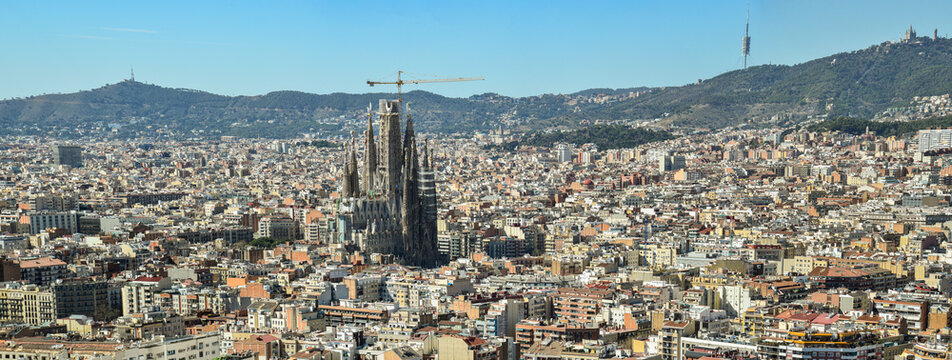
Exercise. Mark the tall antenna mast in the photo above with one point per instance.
(132, 74)
(745, 48)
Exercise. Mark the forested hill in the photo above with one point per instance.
(131, 107)
(858, 83)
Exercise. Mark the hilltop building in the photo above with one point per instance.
(910, 34)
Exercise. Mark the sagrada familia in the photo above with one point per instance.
(388, 205)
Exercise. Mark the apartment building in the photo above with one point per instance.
(819, 345)
(139, 295)
(580, 306)
(34, 304)
(42, 270)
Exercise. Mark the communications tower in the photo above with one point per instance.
(745, 48)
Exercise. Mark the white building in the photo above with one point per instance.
(68, 221)
(935, 139)
(204, 346)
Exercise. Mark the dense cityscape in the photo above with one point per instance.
(772, 212)
(735, 244)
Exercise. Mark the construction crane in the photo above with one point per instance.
(400, 82)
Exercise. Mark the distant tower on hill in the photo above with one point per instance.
(935, 34)
(745, 47)
(910, 34)
(132, 74)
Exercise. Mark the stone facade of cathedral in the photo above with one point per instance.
(388, 205)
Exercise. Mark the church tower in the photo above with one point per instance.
(410, 204)
(370, 155)
(346, 180)
(354, 177)
(391, 154)
(428, 199)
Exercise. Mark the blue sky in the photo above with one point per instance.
(520, 47)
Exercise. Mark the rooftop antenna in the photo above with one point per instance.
(745, 48)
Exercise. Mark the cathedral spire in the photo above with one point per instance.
(409, 137)
(352, 167)
(410, 207)
(426, 159)
(370, 154)
(410, 204)
(429, 158)
(355, 178)
(346, 181)
(390, 151)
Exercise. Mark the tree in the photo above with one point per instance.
(105, 313)
(265, 242)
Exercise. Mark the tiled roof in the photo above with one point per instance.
(41, 262)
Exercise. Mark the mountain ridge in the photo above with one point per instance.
(855, 83)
